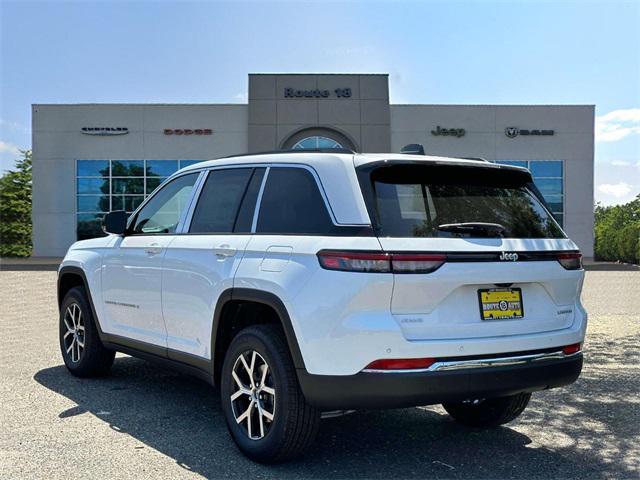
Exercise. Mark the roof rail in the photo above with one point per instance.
(299, 150)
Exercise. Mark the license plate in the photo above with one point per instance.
(500, 303)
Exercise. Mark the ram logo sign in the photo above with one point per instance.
(513, 132)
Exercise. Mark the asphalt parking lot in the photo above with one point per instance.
(147, 422)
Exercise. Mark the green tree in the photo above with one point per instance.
(15, 209)
(617, 232)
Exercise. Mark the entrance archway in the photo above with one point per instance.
(318, 137)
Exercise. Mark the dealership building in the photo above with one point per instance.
(89, 159)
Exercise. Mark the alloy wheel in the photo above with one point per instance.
(253, 397)
(73, 338)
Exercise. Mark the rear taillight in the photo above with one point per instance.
(401, 364)
(416, 262)
(570, 260)
(355, 261)
(378, 262)
(571, 349)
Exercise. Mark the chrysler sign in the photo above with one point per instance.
(105, 131)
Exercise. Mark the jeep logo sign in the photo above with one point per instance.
(452, 132)
(508, 257)
(513, 132)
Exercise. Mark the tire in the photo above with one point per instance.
(488, 413)
(294, 423)
(81, 348)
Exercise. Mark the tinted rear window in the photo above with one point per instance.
(418, 201)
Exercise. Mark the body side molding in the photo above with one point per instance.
(185, 362)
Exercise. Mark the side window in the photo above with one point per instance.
(291, 203)
(162, 213)
(219, 201)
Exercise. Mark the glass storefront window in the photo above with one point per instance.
(547, 168)
(153, 183)
(93, 168)
(161, 168)
(128, 203)
(127, 168)
(93, 203)
(548, 175)
(122, 186)
(89, 225)
(92, 186)
(186, 163)
(109, 185)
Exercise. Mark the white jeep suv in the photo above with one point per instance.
(311, 282)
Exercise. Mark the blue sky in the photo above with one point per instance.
(435, 52)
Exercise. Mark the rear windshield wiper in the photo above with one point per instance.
(489, 229)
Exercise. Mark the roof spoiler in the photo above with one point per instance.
(477, 159)
(413, 148)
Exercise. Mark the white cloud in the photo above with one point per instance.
(618, 124)
(9, 148)
(344, 51)
(620, 163)
(14, 126)
(617, 190)
(241, 97)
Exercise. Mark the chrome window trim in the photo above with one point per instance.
(185, 221)
(450, 365)
(256, 209)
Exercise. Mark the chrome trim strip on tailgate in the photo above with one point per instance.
(449, 365)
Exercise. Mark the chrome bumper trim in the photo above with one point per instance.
(450, 365)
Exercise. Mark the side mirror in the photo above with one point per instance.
(115, 222)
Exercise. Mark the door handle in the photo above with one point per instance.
(225, 250)
(153, 249)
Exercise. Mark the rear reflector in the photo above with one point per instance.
(379, 262)
(401, 364)
(571, 349)
(570, 260)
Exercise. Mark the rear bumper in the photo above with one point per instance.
(411, 388)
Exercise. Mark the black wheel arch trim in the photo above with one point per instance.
(266, 298)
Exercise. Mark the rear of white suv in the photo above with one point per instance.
(473, 294)
(302, 283)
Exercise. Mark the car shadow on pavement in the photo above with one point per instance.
(181, 417)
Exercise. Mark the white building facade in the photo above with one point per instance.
(89, 159)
